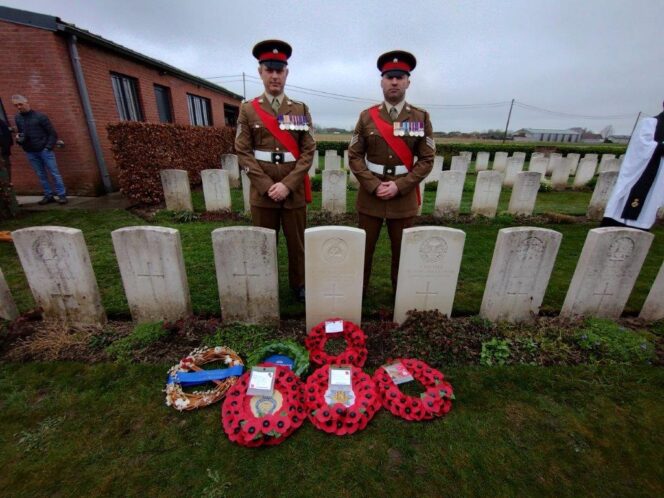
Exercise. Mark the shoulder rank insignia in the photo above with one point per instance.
(408, 128)
(293, 122)
(431, 143)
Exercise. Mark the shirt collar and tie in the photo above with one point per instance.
(394, 110)
(275, 102)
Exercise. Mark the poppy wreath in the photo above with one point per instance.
(180, 400)
(338, 418)
(291, 349)
(244, 426)
(435, 401)
(356, 350)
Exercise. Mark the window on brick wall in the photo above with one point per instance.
(164, 107)
(125, 89)
(231, 113)
(200, 110)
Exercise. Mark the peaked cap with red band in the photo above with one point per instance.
(273, 53)
(396, 62)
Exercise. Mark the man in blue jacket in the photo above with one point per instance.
(38, 137)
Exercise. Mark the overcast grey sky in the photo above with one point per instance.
(596, 58)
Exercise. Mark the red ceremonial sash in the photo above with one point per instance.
(397, 144)
(285, 139)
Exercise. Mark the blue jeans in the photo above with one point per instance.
(43, 162)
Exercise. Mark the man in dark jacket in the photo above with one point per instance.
(5, 149)
(38, 137)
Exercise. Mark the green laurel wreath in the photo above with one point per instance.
(287, 348)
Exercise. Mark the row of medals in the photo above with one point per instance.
(291, 122)
(408, 128)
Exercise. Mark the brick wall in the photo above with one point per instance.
(36, 63)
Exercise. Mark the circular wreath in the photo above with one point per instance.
(337, 418)
(264, 420)
(435, 401)
(181, 400)
(356, 350)
(287, 348)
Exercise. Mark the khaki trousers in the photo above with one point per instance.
(293, 222)
(372, 226)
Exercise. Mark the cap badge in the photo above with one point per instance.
(395, 60)
(275, 51)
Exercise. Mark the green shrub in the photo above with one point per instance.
(495, 352)
(431, 187)
(607, 341)
(545, 186)
(143, 335)
(317, 183)
(240, 337)
(184, 216)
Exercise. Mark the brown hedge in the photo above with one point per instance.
(141, 150)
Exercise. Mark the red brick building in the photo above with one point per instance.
(83, 82)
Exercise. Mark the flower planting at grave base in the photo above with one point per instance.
(340, 412)
(264, 420)
(435, 401)
(356, 350)
(189, 372)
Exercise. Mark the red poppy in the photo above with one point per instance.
(355, 353)
(340, 419)
(434, 402)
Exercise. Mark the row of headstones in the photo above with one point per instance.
(488, 186)
(58, 269)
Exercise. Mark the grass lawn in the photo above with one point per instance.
(71, 429)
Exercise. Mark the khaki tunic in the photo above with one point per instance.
(253, 135)
(367, 141)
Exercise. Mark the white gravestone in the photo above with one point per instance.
(482, 161)
(535, 155)
(520, 155)
(459, 163)
(448, 193)
(500, 161)
(572, 161)
(216, 190)
(177, 193)
(524, 193)
(332, 161)
(514, 167)
(346, 159)
(538, 165)
(487, 193)
(603, 162)
(334, 262)
(246, 263)
(153, 272)
(57, 265)
(611, 165)
(601, 195)
(555, 160)
(585, 172)
(230, 163)
(314, 165)
(8, 310)
(467, 154)
(334, 191)
(605, 274)
(246, 188)
(420, 187)
(522, 262)
(437, 168)
(560, 176)
(428, 270)
(653, 308)
(591, 156)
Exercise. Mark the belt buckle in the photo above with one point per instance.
(277, 157)
(389, 170)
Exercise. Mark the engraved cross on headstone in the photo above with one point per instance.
(151, 275)
(603, 294)
(246, 276)
(63, 299)
(426, 295)
(334, 297)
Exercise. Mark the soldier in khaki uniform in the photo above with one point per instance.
(386, 138)
(277, 173)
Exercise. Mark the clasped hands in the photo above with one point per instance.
(387, 190)
(278, 192)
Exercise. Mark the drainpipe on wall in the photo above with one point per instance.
(87, 109)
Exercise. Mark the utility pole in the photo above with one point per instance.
(508, 121)
(244, 87)
(635, 123)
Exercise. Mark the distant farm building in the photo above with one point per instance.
(538, 135)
